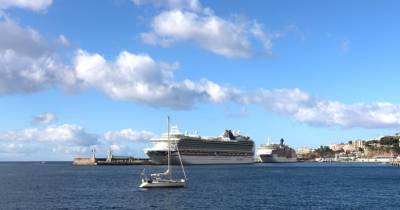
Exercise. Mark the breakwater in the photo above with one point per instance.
(113, 161)
(110, 160)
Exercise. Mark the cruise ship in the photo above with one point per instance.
(229, 148)
(276, 153)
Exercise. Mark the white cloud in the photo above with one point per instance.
(44, 118)
(128, 134)
(55, 142)
(27, 63)
(366, 115)
(23, 74)
(188, 21)
(171, 4)
(63, 41)
(35, 5)
(321, 112)
(230, 38)
(26, 41)
(130, 77)
(126, 141)
(68, 141)
(279, 100)
(73, 150)
(66, 133)
(137, 77)
(11, 148)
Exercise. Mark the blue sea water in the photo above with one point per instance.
(59, 185)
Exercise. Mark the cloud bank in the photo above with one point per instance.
(28, 63)
(315, 111)
(69, 139)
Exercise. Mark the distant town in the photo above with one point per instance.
(380, 149)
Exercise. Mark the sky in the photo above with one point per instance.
(106, 74)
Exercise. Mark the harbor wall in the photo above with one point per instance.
(84, 161)
(111, 161)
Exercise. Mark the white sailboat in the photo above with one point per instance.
(162, 180)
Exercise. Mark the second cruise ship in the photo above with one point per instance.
(276, 153)
(229, 148)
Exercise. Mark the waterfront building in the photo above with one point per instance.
(336, 147)
(304, 151)
(358, 144)
(349, 148)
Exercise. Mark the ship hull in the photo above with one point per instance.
(161, 158)
(276, 159)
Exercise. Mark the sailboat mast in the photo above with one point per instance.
(169, 151)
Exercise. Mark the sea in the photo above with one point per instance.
(60, 185)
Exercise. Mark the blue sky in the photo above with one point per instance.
(107, 73)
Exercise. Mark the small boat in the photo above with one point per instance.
(164, 180)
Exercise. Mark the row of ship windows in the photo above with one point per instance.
(216, 142)
(213, 145)
(216, 153)
(211, 148)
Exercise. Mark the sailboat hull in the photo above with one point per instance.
(163, 184)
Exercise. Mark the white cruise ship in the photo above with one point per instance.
(276, 153)
(229, 148)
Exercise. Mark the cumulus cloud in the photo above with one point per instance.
(25, 41)
(126, 141)
(128, 134)
(66, 133)
(366, 115)
(27, 63)
(188, 21)
(137, 77)
(229, 38)
(321, 112)
(23, 74)
(35, 5)
(70, 140)
(44, 118)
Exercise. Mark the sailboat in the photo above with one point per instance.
(163, 180)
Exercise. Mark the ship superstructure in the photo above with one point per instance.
(229, 148)
(276, 153)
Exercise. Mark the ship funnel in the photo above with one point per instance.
(228, 134)
(282, 140)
